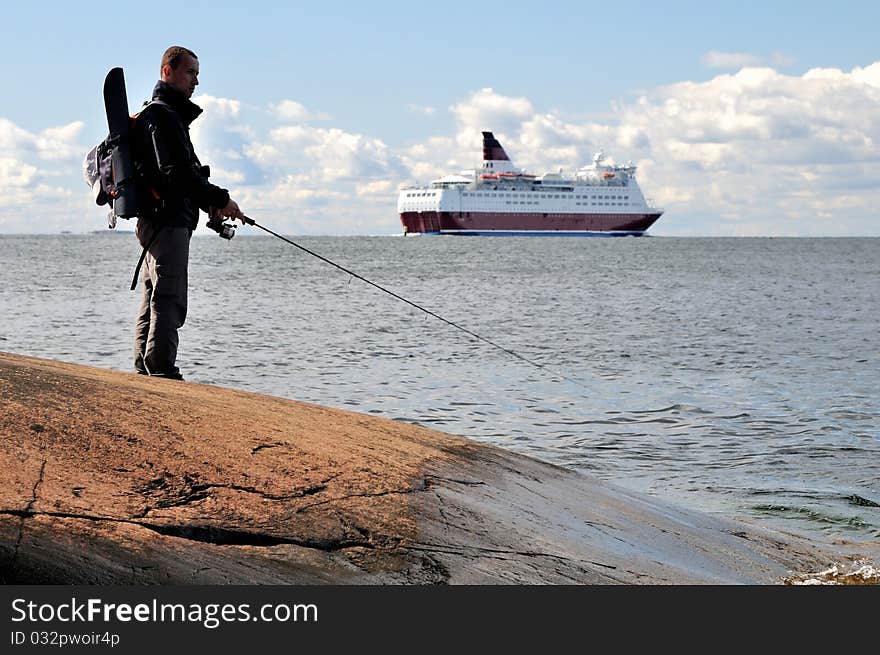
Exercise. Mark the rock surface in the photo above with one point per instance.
(114, 478)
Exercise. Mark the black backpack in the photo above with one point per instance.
(110, 168)
(112, 173)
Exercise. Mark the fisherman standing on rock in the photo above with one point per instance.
(178, 187)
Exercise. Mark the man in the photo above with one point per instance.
(177, 187)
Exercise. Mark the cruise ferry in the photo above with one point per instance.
(499, 199)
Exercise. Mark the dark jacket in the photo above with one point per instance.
(176, 186)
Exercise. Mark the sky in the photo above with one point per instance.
(744, 119)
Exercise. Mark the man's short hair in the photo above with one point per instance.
(173, 54)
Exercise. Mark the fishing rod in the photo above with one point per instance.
(249, 221)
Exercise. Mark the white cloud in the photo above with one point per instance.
(326, 181)
(222, 107)
(293, 189)
(221, 136)
(751, 152)
(377, 188)
(329, 155)
(756, 152)
(715, 59)
(736, 60)
(15, 174)
(488, 110)
(291, 111)
(53, 143)
(13, 138)
(869, 75)
(60, 143)
(435, 156)
(40, 178)
(765, 148)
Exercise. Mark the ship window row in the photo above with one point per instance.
(602, 199)
(540, 195)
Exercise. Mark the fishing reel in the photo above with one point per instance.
(225, 230)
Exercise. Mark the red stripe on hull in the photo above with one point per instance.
(420, 222)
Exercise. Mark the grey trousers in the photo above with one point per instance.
(163, 306)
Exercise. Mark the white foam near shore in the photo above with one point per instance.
(857, 572)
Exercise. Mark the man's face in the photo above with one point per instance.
(184, 78)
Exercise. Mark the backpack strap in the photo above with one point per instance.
(152, 102)
(140, 263)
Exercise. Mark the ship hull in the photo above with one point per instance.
(526, 224)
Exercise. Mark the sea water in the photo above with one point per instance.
(737, 376)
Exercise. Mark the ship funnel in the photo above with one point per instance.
(492, 150)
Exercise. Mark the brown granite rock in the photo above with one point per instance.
(110, 477)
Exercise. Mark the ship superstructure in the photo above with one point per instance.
(499, 199)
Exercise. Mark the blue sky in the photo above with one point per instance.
(744, 120)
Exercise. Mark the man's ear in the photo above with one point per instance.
(166, 71)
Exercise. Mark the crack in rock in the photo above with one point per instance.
(376, 494)
(195, 492)
(201, 491)
(308, 491)
(595, 525)
(211, 534)
(264, 446)
(224, 537)
(469, 483)
(24, 514)
(495, 553)
(327, 481)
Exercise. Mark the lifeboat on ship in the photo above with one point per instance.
(515, 176)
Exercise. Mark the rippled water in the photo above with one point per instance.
(736, 376)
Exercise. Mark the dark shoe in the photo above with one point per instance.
(168, 376)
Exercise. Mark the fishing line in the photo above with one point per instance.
(250, 221)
